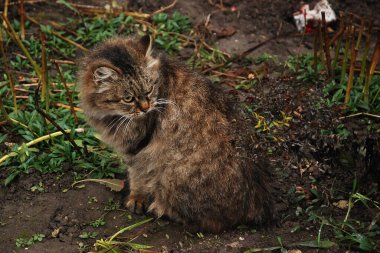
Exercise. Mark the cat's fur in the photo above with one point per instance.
(186, 159)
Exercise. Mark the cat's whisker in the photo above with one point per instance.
(127, 125)
(120, 124)
(118, 120)
(113, 122)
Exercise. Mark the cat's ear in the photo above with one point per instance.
(145, 44)
(102, 74)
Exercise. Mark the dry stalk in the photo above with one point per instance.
(22, 19)
(62, 61)
(58, 35)
(338, 39)
(351, 71)
(346, 52)
(162, 9)
(363, 69)
(5, 12)
(321, 44)
(374, 62)
(48, 118)
(90, 9)
(67, 91)
(7, 72)
(44, 72)
(315, 58)
(14, 36)
(326, 45)
(76, 109)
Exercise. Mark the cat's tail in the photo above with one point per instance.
(260, 208)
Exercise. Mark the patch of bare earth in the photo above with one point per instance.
(62, 216)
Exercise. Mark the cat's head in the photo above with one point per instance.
(120, 77)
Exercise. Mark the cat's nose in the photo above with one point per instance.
(144, 105)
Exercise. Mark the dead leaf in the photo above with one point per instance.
(224, 32)
(114, 184)
(341, 204)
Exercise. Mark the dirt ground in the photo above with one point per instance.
(305, 153)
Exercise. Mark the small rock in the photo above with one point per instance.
(233, 245)
(55, 232)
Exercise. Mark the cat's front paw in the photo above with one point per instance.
(136, 203)
(156, 209)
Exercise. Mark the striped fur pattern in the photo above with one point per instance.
(185, 159)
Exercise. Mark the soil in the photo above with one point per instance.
(304, 161)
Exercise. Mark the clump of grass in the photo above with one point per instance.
(168, 29)
(26, 242)
(117, 245)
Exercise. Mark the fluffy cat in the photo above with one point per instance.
(186, 158)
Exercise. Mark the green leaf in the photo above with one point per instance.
(11, 177)
(139, 246)
(315, 244)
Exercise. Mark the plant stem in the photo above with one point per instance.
(374, 62)
(16, 38)
(7, 72)
(326, 45)
(351, 71)
(346, 49)
(129, 228)
(22, 19)
(40, 139)
(68, 92)
(363, 68)
(59, 35)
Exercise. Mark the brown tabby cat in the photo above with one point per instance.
(186, 158)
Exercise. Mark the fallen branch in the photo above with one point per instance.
(360, 114)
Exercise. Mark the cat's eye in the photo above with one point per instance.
(128, 99)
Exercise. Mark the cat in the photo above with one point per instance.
(187, 157)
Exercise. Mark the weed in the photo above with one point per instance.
(265, 58)
(335, 94)
(98, 223)
(340, 131)
(302, 67)
(206, 57)
(82, 247)
(38, 187)
(168, 29)
(92, 200)
(353, 233)
(26, 242)
(112, 205)
(88, 235)
(246, 84)
(271, 128)
(112, 245)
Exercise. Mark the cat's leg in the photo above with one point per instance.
(137, 203)
(159, 209)
(139, 197)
